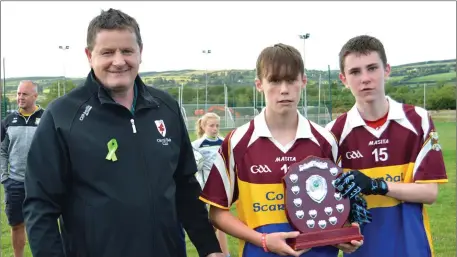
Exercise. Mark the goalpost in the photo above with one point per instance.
(229, 121)
(318, 112)
(183, 110)
(242, 115)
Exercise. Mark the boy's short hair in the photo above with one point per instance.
(279, 62)
(362, 45)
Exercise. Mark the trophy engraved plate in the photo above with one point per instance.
(313, 206)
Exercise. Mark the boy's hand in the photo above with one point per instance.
(354, 182)
(276, 242)
(352, 246)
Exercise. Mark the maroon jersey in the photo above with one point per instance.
(249, 168)
(404, 149)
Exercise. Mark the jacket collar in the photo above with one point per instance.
(395, 112)
(261, 127)
(144, 98)
(37, 109)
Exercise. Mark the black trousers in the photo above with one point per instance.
(65, 238)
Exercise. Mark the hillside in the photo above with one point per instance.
(429, 72)
(406, 83)
(413, 74)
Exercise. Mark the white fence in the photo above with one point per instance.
(232, 117)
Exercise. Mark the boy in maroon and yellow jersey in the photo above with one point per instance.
(391, 154)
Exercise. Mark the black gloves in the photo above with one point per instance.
(354, 182)
(359, 213)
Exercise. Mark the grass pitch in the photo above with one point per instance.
(442, 213)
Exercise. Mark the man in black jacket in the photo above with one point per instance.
(113, 157)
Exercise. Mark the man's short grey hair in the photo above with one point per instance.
(35, 85)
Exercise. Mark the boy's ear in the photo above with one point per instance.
(304, 80)
(258, 85)
(343, 79)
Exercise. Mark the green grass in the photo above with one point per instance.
(435, 77)
(442, 213)
(429, 64)
(396, 78)
(179, 76)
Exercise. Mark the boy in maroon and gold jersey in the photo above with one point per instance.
(253, 159)
(391, 154)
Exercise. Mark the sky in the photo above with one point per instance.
(175, 33)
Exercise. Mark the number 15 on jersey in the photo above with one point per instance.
(380, 154)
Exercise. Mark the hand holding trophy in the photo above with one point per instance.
(316, 209)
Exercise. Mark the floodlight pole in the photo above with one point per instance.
(424, 96)
(64, 48)
(4, 106)
(206, 52)
(304, 37)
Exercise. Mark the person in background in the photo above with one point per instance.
(18, 129)
(207, 144)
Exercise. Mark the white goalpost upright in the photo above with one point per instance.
(316, 112)
(319, 101)
(229, 121)
(183, 110)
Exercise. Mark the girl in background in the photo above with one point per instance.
(207, 144)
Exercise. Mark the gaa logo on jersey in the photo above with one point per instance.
(353, 155)
(260, 169)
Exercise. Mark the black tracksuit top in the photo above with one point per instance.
(131, 207)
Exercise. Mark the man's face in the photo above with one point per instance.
(115, 58)
(365, 75)
(26, 96)
(282, 96)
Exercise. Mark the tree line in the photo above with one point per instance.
(437, 97)
(439, 94)
(401, 75)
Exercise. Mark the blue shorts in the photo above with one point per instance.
(14, 198)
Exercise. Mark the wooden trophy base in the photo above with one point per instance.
(324, 238)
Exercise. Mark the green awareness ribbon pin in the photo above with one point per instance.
(112, 147)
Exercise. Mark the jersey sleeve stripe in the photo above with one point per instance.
(420, 157)
(226, 154)
(426, 141)
(219, 164)
(228, 164)
(425, 121)
(212, 203)
(432, 181)
(426, 148)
